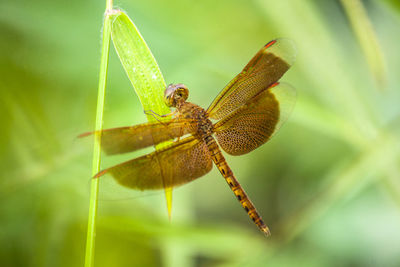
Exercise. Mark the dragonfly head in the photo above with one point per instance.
(175, 93)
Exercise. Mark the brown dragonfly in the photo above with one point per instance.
(249, 110)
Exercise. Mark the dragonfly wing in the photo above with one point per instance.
(263, 70)
(176, 164)
(127, 139)
(255, 122)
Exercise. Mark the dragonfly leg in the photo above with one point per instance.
(156, 115)
(181, 133)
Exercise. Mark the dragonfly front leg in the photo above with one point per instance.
(180, 134)
(157, 116)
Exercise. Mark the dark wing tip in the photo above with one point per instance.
(270, 43)
(101, 173)
(85, 134)
(283, 48)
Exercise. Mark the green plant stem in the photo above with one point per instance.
(367, 39)
(94, 188)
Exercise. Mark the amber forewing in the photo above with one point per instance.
(263, 70)
(127, 139)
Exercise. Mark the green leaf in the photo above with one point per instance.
(139, 64)
(142, 70)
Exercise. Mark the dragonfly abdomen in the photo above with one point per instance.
(233, 183)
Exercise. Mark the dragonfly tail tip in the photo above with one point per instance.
(266, 231)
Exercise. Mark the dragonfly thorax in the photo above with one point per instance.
(175, 94)
(196, 116)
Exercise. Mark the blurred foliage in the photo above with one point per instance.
(327, 185)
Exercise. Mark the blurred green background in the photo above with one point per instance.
(328, 184)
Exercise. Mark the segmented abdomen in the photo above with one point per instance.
(237, 189)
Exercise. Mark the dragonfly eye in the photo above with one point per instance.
(175, 93)
(168, 95)
(182, 92)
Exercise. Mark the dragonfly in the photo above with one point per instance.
(248, 112)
